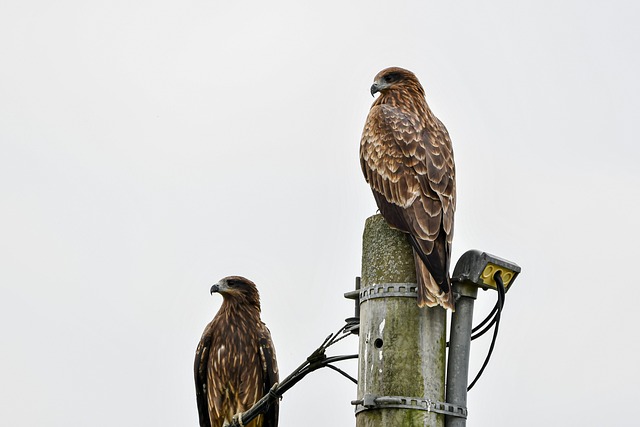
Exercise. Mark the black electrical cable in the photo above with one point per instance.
(490, 317)
(500, 304)
(486, 328)
(343, 373)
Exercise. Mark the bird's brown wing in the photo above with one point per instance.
(410, 169)
(438, 202)
(270, 376)
(200, 374)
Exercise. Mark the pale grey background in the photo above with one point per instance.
(150, 148)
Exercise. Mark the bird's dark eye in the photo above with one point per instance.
(389, 78)
(231, 283)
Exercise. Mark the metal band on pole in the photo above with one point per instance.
(370, 402)
(385, 290)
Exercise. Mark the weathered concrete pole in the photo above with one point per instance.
(401, 367)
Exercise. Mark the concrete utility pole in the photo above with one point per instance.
(401, 367)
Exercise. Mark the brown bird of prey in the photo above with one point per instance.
(407, 159)
(235, 361)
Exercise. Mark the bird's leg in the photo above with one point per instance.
(237, 418)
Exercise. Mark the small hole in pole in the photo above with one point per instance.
(378, 343)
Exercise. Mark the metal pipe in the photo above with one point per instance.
(459, 349)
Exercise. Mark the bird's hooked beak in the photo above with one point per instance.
(374, 89)
(379, 85)
(218, 287)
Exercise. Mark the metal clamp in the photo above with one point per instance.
(369, 402)
(384, 290)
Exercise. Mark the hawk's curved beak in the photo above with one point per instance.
(374, 89)
(215, 288)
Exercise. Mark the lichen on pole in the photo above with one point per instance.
(402, 347)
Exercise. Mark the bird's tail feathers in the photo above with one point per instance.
(429, 292)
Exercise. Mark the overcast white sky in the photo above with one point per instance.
(149, 148)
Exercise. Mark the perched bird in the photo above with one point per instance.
(407, 159)
(235, 362)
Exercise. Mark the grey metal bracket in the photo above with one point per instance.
(369, 402)
(479, 267)
(385, 290)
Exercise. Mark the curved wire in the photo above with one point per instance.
(315, 361)
(491, 323)
(500, 304)
(343, 373)
(489, 317)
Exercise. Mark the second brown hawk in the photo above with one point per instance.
(407, 159)
(235, 362)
